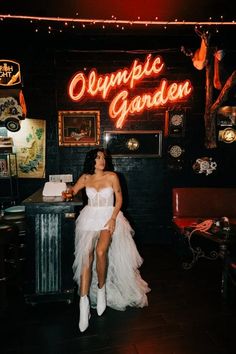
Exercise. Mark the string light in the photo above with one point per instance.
(106, 24)
(114, 20)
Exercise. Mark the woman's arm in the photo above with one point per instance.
(80, 184)
(118, 195)
(118, 203)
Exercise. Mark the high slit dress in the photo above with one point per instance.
(124, 284)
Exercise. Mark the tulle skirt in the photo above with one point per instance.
(124, 284)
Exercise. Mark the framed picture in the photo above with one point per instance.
(4, 170)
(79, 128)
(226, 116)
(8, 165)
(30, 147)
(136, 143)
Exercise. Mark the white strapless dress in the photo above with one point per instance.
(124, 285)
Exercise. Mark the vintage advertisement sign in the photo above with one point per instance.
(10, 74)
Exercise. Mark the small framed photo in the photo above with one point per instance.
(8, 165)
(4, 170)
(226, 116)
(79, 128)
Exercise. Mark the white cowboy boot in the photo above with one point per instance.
(101, 300)
(84, 313)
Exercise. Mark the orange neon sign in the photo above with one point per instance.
(121, 106)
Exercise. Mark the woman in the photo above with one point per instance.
(106, 259)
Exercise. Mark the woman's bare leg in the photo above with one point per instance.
(86, 277)
(101, 254)
(84, 290)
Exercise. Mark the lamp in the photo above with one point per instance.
(226, 116)
(227, 135)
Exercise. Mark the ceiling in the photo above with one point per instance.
(165, 10)
(94, 36)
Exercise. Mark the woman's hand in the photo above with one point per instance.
(68, 194)
(110, 225)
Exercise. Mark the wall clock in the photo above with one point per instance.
(132, 144)
(176, 120)
(175, 123)
(175, 151)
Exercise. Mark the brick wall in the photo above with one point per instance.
(47, 67)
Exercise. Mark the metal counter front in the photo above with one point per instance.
(50, 247)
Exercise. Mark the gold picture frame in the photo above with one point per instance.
(79, 128)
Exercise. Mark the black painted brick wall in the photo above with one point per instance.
(147, 182)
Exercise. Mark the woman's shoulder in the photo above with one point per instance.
(110, 174)
(84, 177)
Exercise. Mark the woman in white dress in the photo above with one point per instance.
(106, 258)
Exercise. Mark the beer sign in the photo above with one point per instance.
(10, 74)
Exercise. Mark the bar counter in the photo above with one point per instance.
(50, 247)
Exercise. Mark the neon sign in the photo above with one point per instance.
(121, 105)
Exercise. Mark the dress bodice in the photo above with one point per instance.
(102, 198)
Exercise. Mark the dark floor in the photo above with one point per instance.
(186, 315)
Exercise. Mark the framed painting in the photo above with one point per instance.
(30, 148)
(79, 128)
(135, 143)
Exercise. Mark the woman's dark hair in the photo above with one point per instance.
(90, 161)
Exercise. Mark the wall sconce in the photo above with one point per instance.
(228, 135)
